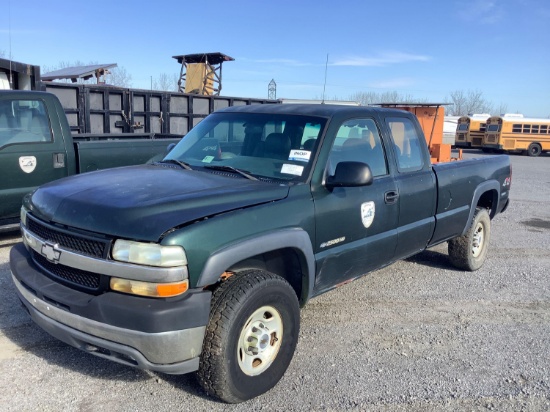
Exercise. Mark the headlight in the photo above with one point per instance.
(150, 254)
(24, 216)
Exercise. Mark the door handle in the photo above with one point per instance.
(58, 160)
(391, 197)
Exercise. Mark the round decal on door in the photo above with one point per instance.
(27, 163)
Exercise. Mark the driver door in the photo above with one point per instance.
(356, 227)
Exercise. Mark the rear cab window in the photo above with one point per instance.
(407, 145)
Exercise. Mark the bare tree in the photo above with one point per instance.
(366, 98)
(471, 101)
(166, 82)
(118, 76)
(501, 109)
(2, 54)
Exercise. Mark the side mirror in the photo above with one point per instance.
(350, 174)
(170, 147)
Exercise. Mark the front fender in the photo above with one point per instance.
(230, 255)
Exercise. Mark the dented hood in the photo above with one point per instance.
(143, 202)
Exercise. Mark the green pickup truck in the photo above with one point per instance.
(201, 262)
(36, 147)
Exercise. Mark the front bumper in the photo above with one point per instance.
(492, 146)
(163, 335)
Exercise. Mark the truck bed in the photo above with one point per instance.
(456, 181)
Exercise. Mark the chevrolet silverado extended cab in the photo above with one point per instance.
(201, 262)
(36, 146)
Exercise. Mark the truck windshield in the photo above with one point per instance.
(265, 146)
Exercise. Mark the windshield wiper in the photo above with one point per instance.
(183, 165)
(231, 169)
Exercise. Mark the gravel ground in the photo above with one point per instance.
(415, 336)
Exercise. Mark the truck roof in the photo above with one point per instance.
(324, 110)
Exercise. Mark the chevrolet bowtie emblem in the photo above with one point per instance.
(51, 252)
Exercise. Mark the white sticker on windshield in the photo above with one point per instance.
(292, 169)
(208, 159)
(299, 155)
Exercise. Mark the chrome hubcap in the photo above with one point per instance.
(478, 238)
(260, 340)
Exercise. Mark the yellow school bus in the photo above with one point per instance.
(517, 134)
(470, 130)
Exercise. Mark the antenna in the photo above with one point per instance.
(325, 84)
(9, 37)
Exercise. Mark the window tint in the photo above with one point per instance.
(406, 144)
(493, 128)
(516, 128)
(23, 121)
(358, 140)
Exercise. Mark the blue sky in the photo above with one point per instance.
(425, 49)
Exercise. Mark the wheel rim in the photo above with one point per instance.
(260, 340)
(478, 239)
(535, 150)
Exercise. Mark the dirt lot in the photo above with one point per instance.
(418, 335)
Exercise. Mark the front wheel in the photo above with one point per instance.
(251, 336)
(468, 252)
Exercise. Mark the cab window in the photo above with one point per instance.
(23, 121)
(406, 144)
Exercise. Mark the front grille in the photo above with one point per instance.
(82, 244)
(73, 276)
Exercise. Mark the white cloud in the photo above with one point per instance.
(483, 11)
(384, 59)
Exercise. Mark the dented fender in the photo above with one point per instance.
(294, 238)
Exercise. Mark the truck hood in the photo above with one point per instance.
(143, 202)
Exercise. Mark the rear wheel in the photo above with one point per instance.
(468, 252)
(251, 336)
(534, 150)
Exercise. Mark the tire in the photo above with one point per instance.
(251, 336)
(468, 252)
(534, 150)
